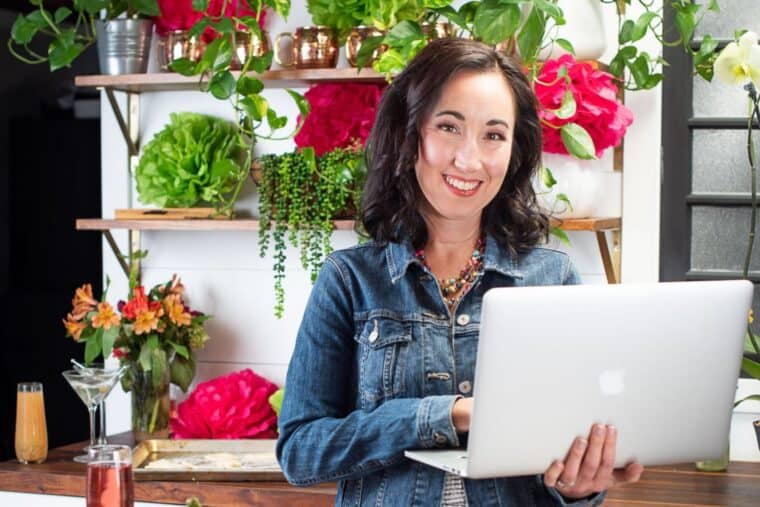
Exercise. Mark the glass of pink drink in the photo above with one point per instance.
(109, 476)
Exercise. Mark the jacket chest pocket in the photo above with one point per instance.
(383, 351)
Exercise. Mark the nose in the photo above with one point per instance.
(467, 155)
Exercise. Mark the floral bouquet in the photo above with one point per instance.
(155, 334)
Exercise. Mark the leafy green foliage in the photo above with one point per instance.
(195, 158)
(299, 197)
(340, 15)
(68, 32)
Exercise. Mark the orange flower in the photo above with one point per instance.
(174, 287)
(74, 328)
(83, 302)
(146, 321)
(106, 318)
(135, 305)
(175, 309)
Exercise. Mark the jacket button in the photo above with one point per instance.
(373, 336)
(463, 319)
(439, 438)
(465, 387)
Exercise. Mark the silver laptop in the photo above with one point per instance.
(659, 361)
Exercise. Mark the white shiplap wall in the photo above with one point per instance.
(225, 277)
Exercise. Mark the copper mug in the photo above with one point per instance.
(356, 38)
(178, 44)
(249, 44)
(438, 30)
(313, 47)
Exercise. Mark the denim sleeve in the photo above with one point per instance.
(322, 438)
(592, 501)
(571, 275)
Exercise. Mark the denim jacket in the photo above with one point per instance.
(378, 363)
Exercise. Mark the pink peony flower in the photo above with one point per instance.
(342, 114)
(597, 108)
(179, 15)
(230, 406)
(176, 15)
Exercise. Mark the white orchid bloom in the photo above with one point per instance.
(739, 63)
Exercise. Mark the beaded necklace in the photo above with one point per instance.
(452, 289)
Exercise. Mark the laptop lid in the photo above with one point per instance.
(659, 361)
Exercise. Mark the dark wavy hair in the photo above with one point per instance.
(392, 196)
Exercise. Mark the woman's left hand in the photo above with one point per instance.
(588, 467)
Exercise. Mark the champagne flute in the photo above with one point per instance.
(92, 385)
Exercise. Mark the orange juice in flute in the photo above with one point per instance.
(31, 429)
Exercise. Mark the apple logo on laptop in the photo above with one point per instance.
(612, 382)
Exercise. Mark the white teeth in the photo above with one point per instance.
(461, 185)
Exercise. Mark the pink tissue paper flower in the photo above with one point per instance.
(597, 108)
(342, 114)
(179, 15)
(230, 406)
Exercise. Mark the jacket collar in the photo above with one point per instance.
(400, 256)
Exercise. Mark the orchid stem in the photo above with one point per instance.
(754, 113)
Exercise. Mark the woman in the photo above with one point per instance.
(385, 355)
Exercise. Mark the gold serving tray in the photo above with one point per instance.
(257, 457)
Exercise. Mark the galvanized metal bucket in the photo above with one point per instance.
(124, 45)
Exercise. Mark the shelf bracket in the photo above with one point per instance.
(116, 252)
(125, 131)
(604, 251)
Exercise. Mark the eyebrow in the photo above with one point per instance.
(459, 116)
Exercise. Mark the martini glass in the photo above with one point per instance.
(92, 385)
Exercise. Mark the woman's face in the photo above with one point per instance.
(465, 146)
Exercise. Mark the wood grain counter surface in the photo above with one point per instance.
(678, 485)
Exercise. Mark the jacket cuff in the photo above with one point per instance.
(591, 501)
(435, 427)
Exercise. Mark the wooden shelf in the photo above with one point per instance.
(169, 81)
(99, 224)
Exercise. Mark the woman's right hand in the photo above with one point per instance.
(461, 412)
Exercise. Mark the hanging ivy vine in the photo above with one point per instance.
(300, 196)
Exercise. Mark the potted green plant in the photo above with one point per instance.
(68, 31)
(300, 196)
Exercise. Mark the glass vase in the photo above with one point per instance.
(151, 404)
(715, 465)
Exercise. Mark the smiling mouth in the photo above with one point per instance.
(462, 185)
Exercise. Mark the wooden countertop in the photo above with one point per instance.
(679, 485)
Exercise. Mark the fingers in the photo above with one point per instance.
(631, 473)
(607, 462)
(573, 462)
(589, 465)
(593, 458)
(552, 474)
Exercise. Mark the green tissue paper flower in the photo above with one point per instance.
(195, 158)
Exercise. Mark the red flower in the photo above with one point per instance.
(597, 108)
(138, 303)
(176, 15)
(231, 406)
(179, 15)
(342, 114)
